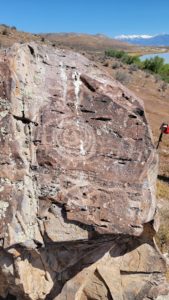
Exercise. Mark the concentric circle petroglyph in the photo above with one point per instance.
(75, 139)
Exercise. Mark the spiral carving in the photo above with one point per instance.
(75, 139)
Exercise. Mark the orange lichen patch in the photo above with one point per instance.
(17, 90)
(16, 253)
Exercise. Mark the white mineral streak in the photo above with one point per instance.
(3, 207)
(77, 83)
(63, 76)
(3, 114)
(82, 150)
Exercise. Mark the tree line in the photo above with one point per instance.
(155, 64)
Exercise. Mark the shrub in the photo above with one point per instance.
(8, 27)
(133, 67)
(154, 64)
(4, 25)
(164, 86)
(116, 65)
(164, 72)
(115, 53)
(106, 64)
(130, 59)
(5, 31)
(124, 57)
(123, 77)
(147, 73)
(157, 78)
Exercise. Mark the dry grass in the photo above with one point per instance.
(167, 274)
(162, 237)
(163, 190)
(157, 110)
(12, 36)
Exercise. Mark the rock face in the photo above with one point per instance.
(78, 173)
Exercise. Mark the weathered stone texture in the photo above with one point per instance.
(78, 172)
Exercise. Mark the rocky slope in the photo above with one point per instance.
(78, 174)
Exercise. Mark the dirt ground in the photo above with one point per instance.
(155, 94)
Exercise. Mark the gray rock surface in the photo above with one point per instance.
(78, 175)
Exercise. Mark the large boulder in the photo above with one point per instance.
(78, 174)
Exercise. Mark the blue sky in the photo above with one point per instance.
(110, 17)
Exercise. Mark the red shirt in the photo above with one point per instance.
(166, 130)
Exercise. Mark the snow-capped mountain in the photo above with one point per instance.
(133, 36)
(145, 40)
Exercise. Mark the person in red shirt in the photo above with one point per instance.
(164, 130)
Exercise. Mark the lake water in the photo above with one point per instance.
(163, 55)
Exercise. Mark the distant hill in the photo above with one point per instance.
(145, 40)
(86, 42)
(79, 42)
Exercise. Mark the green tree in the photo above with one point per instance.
(154, 64)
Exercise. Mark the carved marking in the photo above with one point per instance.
(75, 142)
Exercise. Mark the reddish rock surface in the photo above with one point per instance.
(78, 173)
